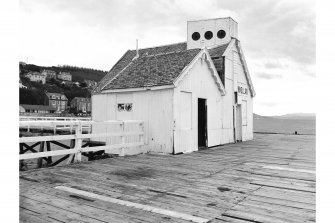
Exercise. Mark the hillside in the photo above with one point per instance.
(302, 123)
(299, 116)
(35, 92)
(79, 74)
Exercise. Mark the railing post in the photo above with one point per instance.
(78, 142)
(40, 160)
(72, 145)
(55, 128)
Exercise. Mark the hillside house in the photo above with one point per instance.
(65, 76)
(190, 95)
(50, 74)
(91, 84)
(24, 108)
(56, 100)
(81, 104)
(21, 85)
(36, 77)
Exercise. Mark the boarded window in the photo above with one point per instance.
(125, 107)
(185, 106)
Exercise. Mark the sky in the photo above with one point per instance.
(277, 37)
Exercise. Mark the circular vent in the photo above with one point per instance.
(221, 34)
(195, 36)
(208, 35)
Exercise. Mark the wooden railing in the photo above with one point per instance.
(46, 118)
(114, 137)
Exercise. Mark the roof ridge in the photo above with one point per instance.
(115, 76)
(227, 17)
(161, 54)
(218, 45)
(171, 44)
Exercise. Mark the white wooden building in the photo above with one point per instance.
(190, 95)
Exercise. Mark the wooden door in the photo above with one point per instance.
(238, 123)
(202, 123)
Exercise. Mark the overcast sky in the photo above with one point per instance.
(277, 37)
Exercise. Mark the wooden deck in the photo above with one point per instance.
(270, 179)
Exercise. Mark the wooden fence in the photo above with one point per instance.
(112, 137)
(47, 118)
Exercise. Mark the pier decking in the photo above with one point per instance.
(270, 179)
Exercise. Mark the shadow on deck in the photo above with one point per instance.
(269, 179)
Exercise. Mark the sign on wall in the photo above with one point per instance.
(242, 90)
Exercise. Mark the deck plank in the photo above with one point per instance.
(229, 183)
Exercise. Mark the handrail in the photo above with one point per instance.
(31, 118)
(94, 132)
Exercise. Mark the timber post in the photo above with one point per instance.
(71, 156)
(79, 141)
(49, 162)
(40, 160)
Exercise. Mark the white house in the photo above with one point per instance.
(190, 95)
(36, 77)
(21, 85)
(65, 76)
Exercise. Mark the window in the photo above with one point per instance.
(221, 34)
(208, 35)
(125, 107)
(195, 36)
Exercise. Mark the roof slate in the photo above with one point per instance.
(218, 51)
(154, 70)
(155, 66)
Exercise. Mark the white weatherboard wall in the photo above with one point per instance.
(171, 115)
(198, 83)
(153, 107)
(245, 100)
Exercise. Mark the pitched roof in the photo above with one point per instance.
(155, 66)
(49, 94)
(79, 98)
(38, 107)
(218, 51)
(35, 73)
(245, 67)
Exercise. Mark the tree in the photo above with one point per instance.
(31, 97)
(83, 84)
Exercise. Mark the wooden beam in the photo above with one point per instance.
(44, 154)
(49, 149)
(71, 156)
(289, 169)
(143, 207)
(40, 160)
